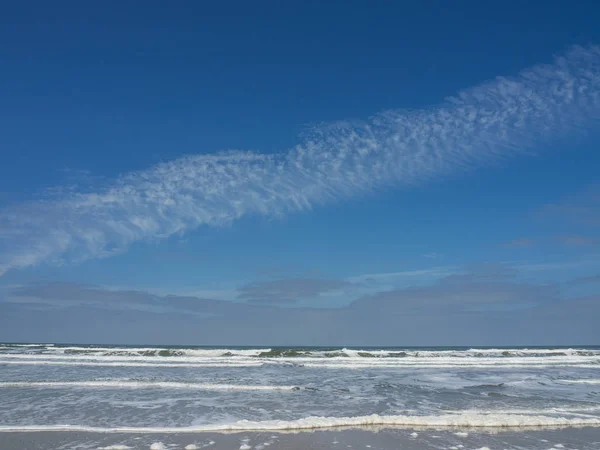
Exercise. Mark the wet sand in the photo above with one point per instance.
(376, 439)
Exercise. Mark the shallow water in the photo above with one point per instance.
(148, 391)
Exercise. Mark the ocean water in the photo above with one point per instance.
(145, 391)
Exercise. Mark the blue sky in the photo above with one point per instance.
(251, 173)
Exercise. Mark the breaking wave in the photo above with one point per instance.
(40, 354)
(294, 352)
(470, 419)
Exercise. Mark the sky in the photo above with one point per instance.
(300, 173)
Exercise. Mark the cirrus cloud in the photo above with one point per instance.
(501, 118)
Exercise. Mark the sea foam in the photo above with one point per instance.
(471, 419)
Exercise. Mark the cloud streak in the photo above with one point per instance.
(480, 125)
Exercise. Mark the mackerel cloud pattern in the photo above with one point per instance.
(495, 120)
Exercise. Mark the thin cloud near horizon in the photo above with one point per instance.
(491, 121)
(483, 305)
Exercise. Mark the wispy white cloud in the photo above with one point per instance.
(480, 125)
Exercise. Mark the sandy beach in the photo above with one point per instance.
(369, 438)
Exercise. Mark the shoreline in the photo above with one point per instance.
(232, 429)
(385, 438)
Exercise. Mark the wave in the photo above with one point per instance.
(294, 352)
(144, 385)
(471, 419)
(115, 447)
(27, 345)
(347, 363)
(130, 351)
(306, 358)
(127, 363)
(330, 358)
(589, 381)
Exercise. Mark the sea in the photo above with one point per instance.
(121, 397)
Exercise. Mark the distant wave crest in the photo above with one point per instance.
(32, 354)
